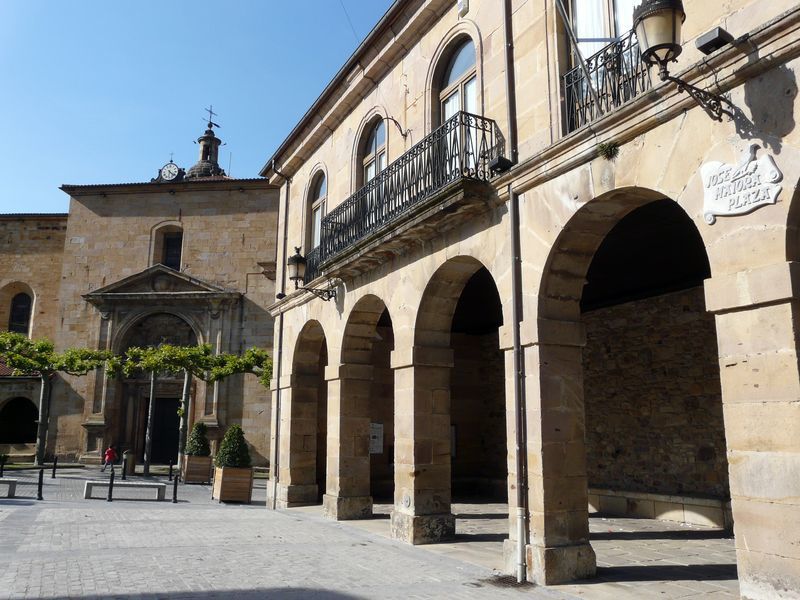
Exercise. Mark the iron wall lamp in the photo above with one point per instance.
(658, 29)
(296, 268)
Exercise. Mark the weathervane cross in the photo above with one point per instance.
(211, 115)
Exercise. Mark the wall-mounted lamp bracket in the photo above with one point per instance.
(714, 104)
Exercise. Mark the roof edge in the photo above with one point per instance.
(340, 76)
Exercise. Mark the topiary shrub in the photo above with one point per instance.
(233, 450)
(197, 444)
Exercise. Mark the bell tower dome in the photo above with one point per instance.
(207, 164)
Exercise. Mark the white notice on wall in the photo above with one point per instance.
(739, 189)
(376, 438)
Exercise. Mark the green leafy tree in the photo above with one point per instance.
(197, 444)
(193, 361)
(233, 451)
(39, 358)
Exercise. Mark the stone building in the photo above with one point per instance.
(537, 272)
(180, 259)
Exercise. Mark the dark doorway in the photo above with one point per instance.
(165, 430)
(18, 422)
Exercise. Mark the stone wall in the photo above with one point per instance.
(477, 409)
(653, 400)
(30, 261)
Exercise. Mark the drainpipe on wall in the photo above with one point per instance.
(279, 352)
(516, 308)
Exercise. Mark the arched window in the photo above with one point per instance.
(316, 210)
(19, 320)
(374, 152)
(168, 246)
(459, 83)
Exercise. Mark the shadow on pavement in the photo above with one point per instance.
(724, 572)
(714, 534)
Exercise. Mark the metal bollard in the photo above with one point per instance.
(55, 462)
(2, 467)
(41, 483)
(175, 488)
(111, 486)
(124, 464)
(170, 470)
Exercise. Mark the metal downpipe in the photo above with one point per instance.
(516, 307)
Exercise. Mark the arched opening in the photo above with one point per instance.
(19, 320)
(459, 395)
(362, 431)
(18, 418)
(643, 394)
(134, 392)
(16, 307)
(316, 210)
(456, 81)
(304, 475)
(371, 152)
(168, 246)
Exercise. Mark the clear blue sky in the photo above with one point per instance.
(101, 92)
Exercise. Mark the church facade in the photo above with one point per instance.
(550, 278)
(181, 259)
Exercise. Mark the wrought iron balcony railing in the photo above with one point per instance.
(461, 148)
(312, 265)
(617, 75)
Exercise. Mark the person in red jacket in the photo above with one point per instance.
(109, 458)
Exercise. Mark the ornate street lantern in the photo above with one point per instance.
(658, 29)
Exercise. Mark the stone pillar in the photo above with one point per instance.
(297, 483)
(558, 499)
(757, 314)
(421, 513)
(347, 495)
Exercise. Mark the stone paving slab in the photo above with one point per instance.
(66, 546)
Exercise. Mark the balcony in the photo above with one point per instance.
(421, 193)
(617, 74)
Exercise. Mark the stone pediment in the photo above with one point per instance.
(158, 283)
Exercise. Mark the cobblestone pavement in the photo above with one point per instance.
(65, 546)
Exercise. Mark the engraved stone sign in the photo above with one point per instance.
(739, 189)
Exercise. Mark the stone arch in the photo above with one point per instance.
(439, 301)
(302, 421)
(572, 252)
(158, 235)
(370, 119)
(8, 293)
(363, 391)
(126, 329)
(578, 265)
(318, 172)
(18, 419)
(465, 28)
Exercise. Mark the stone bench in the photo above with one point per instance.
(161, 488)
(12, 486)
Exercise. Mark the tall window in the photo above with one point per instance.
(374, 152)
(597, 23)
(19, 320)
(319, 195)
(459, 85)
(171, 256)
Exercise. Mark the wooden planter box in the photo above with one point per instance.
(233, 484)
(196, 469)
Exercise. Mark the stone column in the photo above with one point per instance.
(421, 513)
(757, 315)
(297, 483)
(348, 491)
(558, 500)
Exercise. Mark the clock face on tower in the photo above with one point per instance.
(169, 171)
